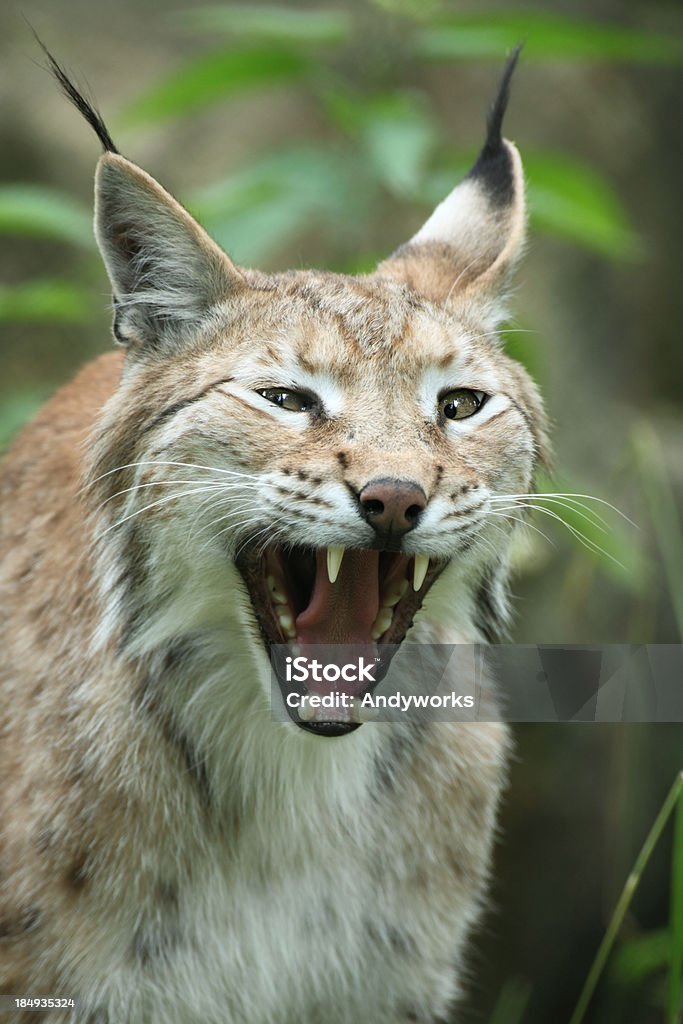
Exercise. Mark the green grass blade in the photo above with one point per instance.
(624, 901)
(214, 77)
(664, 513)
(676, 916)
(36, 210)
(512, 1002)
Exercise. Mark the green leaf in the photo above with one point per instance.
(256, 210)
(641, 957)
(399, 136)
(276, 23)
(35, 210)
(546, 36)
(44, 301)
(569, 199)
(214, 77)
(396, 132)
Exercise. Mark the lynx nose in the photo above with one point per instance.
(392, 507)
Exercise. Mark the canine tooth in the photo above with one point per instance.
(420, 570)
(335, 553)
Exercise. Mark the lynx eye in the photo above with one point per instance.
(293, 401)
(461, 403)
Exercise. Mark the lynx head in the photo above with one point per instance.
(312, 457)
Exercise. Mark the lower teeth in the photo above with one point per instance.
(287, 625)
(382, 623)
(364, 714)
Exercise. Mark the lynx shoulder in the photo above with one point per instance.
(299, 458)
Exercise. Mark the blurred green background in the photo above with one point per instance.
(323, 134)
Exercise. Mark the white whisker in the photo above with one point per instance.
(570, 496)
(220, 486)
(576, 533)
(155, 504)
(234, 526)
(276, 533)
(589, 515)
(526, 523)
(188, 465)
(215, 505)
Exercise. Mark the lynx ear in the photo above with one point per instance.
(471, 243)
(166, 273)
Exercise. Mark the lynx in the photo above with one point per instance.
(299, 457)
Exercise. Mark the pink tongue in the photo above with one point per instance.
(342, 612)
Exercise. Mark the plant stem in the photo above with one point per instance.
(625, 898)
(676, 918)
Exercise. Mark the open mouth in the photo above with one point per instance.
(360, 600)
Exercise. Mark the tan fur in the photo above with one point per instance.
(168, 852)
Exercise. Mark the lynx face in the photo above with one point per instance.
(336, 441)
(339, 440)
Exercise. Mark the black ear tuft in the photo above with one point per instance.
(494, 122)
(79, 101)
(466, 251)
(493, 165)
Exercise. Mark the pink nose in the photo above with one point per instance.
(392, 507)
